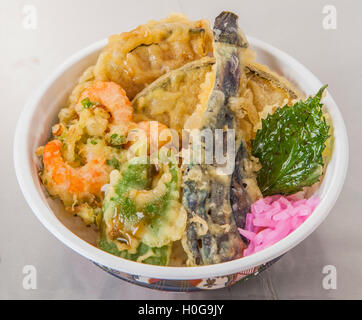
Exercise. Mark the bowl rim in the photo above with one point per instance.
(23, 167)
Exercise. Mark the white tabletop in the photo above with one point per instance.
(29, 52)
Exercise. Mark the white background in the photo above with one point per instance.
(27, 57)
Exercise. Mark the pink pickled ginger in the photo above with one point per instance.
(273, 218)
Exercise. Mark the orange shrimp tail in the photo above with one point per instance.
(53, 162)
(113, 97)
(89, 178)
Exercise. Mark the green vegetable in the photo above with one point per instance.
(117, 140)
(113, 163)
(87, 104)
(160, 256)
(139, 176)
(290, 145)
(158, 216)
(93, 142)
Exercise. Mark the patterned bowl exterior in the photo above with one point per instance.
(188, 285)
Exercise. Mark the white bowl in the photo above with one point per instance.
(33, 130)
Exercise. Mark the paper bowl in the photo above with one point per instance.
(33, 130)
